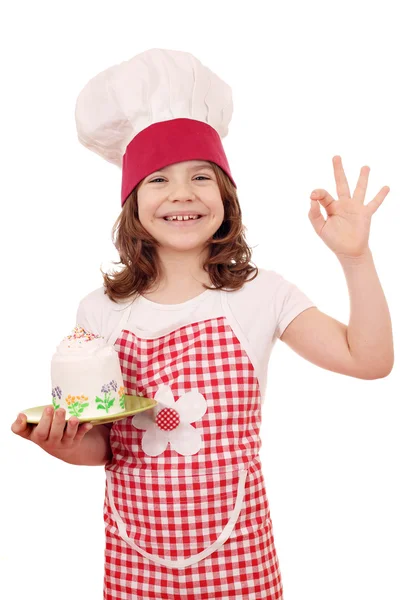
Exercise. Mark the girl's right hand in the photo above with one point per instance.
(50, 433)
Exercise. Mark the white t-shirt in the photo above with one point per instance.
(258, 314)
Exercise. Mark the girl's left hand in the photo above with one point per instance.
(346, 229)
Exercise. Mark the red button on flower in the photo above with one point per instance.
(167, 419)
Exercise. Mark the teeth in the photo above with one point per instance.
(182, 218)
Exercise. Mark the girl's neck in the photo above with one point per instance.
(181, 281)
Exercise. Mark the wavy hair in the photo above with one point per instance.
(228, 262)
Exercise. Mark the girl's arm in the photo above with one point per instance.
(74, 443)
(364, 348)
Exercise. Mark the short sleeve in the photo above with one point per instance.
(289, 302)
(260, 312)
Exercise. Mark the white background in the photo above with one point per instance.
(310, 80)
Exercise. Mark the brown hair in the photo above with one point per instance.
(228, 262)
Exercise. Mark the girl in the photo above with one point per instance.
(186, 511)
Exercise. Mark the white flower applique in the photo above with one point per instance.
(172, 423)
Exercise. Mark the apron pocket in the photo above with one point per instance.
(176, 521)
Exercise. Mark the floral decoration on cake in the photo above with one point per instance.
(56, 393)
(107, 401)
(76, 404)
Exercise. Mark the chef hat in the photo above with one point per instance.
(158, 108)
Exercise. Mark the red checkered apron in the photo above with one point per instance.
(189, 519)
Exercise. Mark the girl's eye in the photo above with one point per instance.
(162, 178)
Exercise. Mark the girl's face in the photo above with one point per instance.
(180, 190)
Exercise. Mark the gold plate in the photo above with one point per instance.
(133, 405)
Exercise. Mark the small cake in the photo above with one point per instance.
(86, 377)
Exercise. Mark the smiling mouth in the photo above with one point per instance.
(183, 222)
(182, 217)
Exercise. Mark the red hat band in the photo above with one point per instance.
(167, 142)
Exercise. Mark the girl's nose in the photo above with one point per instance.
(181, 192)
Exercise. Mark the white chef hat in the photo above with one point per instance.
(158, 108)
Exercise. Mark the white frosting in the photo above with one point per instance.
(82, 348)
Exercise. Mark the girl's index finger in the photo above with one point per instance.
(43, 428)
(57, 426)
(342, 186)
